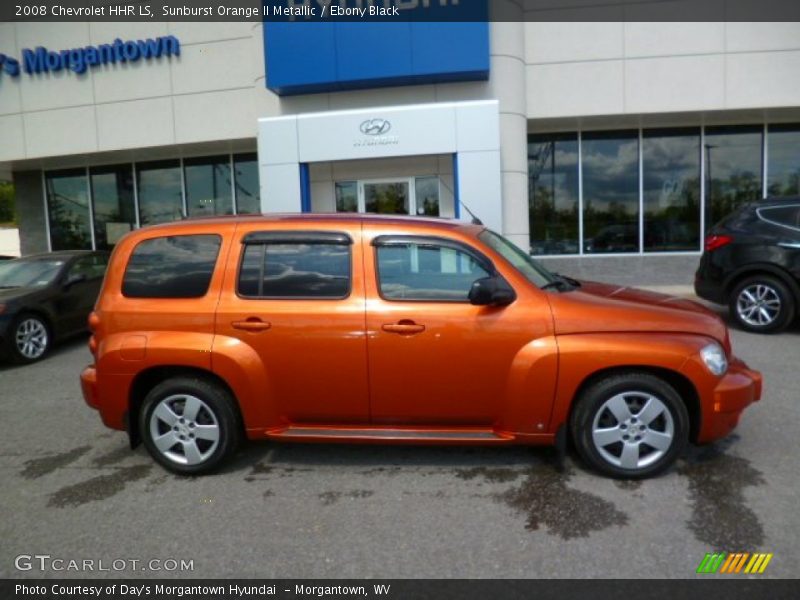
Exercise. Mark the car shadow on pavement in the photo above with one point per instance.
(63, 347)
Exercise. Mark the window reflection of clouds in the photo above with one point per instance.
(783, 159)
(671, 182)
(553, 193)
(733, 169)
(159, 189)
(171, 267)
(611, 192)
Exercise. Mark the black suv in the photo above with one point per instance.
(752, 264)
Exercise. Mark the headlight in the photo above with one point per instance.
(714, 358)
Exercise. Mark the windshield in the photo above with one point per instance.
(522, 262)
(24, 272)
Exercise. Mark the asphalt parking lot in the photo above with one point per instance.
(73, 490)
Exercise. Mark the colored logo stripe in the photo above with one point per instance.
(722, 562)
(711, 563)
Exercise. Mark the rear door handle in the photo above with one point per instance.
(403, 327)
(252, 325)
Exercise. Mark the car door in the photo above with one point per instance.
(297, 300)
(436, 359)
(80, 285)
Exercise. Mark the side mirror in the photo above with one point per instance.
(73, 279)
(491, 291)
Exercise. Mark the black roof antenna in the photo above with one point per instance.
(475, 220)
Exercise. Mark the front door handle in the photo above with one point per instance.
(251, 324)
(404, 327)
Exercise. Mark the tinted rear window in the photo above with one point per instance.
(177, 266)
(295, 270)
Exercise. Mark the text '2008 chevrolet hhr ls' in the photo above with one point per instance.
(323, 328)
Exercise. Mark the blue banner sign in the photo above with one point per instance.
(308, 54)
(78, 60)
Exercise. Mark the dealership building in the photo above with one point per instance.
(604, 147)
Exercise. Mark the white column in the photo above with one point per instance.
(507, 82)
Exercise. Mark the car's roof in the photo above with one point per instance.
(776, 201)
(62, 254)
(319, 218)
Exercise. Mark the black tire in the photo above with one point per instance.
(670, 426)
(774, 289)
(217, 408)
(19, 355)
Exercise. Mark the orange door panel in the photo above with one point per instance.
(436, 359)
(311, 345)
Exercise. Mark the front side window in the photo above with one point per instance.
(295, 270)
(426, 271)
(178, 266)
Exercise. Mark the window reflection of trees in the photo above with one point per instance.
(733, 169)
(553, 194)
(671, 185)
(68, 210)
(610, 192)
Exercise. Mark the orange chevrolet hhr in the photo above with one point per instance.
(331, 328)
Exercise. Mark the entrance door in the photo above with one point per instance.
(389, 197)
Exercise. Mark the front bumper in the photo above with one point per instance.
(735, 391)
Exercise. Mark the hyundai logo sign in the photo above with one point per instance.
(375, 127)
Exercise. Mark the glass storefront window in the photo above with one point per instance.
(783, 160)
(553, 193)
(68, 210)
(248, 194)
(733, 169)
(113, 203)
(390, 198)
(208, 186)
(159, 188)
(426, 190)
(346, 196)
(671, 185)
(610, 191)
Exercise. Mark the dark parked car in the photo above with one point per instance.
(752, 263)
(46, 297)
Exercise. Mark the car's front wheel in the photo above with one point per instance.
(31, 338)
(762, 304)
(189, 425)
(630, 425)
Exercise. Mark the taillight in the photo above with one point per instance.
(93, 322)
(717, 241)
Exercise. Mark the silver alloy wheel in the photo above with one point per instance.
(184, 429)
(758, 305)
(31, 338)
(632, 430)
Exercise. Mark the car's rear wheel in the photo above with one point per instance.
(762, 304)
(189, 425)
(630, 425)
(31, 338)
